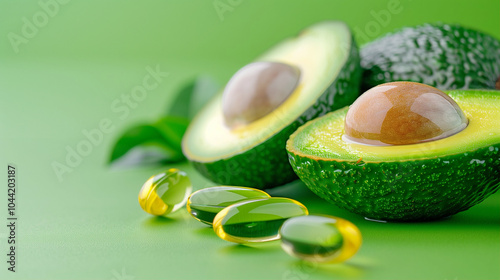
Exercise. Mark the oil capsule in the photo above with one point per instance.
(165, 192)
(320, 238)
(204, 204)
(256, 220)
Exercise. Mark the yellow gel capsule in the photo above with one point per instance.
(165, 193)
(256, 220)
(204, 204)
(320, 238)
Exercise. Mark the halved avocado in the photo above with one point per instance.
(421, 181)
(254, 155)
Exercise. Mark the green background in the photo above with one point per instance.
(89, 225)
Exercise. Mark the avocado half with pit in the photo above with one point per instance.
(420, 160)
(239, 138)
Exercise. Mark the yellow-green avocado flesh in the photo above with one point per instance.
(406, 182)
(255, 155)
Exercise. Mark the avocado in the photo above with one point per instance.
(429, 179)
(239, 137)
(441, 55)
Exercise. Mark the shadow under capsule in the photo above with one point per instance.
(348, 269)
(251, 248)
(172, 218)
(157, 221)
(205, 231)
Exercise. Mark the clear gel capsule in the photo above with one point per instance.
(256, 220)
(165, 193)
(320, 238)
(204, 204)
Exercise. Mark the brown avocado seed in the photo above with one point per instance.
(401, 113)
(256, 90)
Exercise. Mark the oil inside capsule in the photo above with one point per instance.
(320, 238)
(256, 220)
(165, 192)
(206, 203)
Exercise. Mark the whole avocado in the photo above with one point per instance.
(441, 55)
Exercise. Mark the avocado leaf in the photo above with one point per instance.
(193, 96)
(159, 142)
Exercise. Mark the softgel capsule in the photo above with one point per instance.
(320, 238)
(206, 203)
(165, 192)
(256, 220)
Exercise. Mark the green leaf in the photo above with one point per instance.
(180, 106)
(193, 96)
(148, 143)
(160, 142)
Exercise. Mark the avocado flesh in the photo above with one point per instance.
(255, 155)
(406, 182)
(440, 55)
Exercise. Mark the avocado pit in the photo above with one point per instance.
(402, 113)
(256, 90)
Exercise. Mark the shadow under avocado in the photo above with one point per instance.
(295, 190)
(480, 214)
(317, 206)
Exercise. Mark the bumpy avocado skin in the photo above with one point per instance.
(266, 165)
(404, 190)
(441, 55)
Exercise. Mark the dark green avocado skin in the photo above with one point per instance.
(441, 55)
(271, 156)
(415, 190)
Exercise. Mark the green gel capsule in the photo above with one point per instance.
(204, 204)
(256, 220)
(320, 238)
(165, 193)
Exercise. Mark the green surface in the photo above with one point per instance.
(89, 225)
